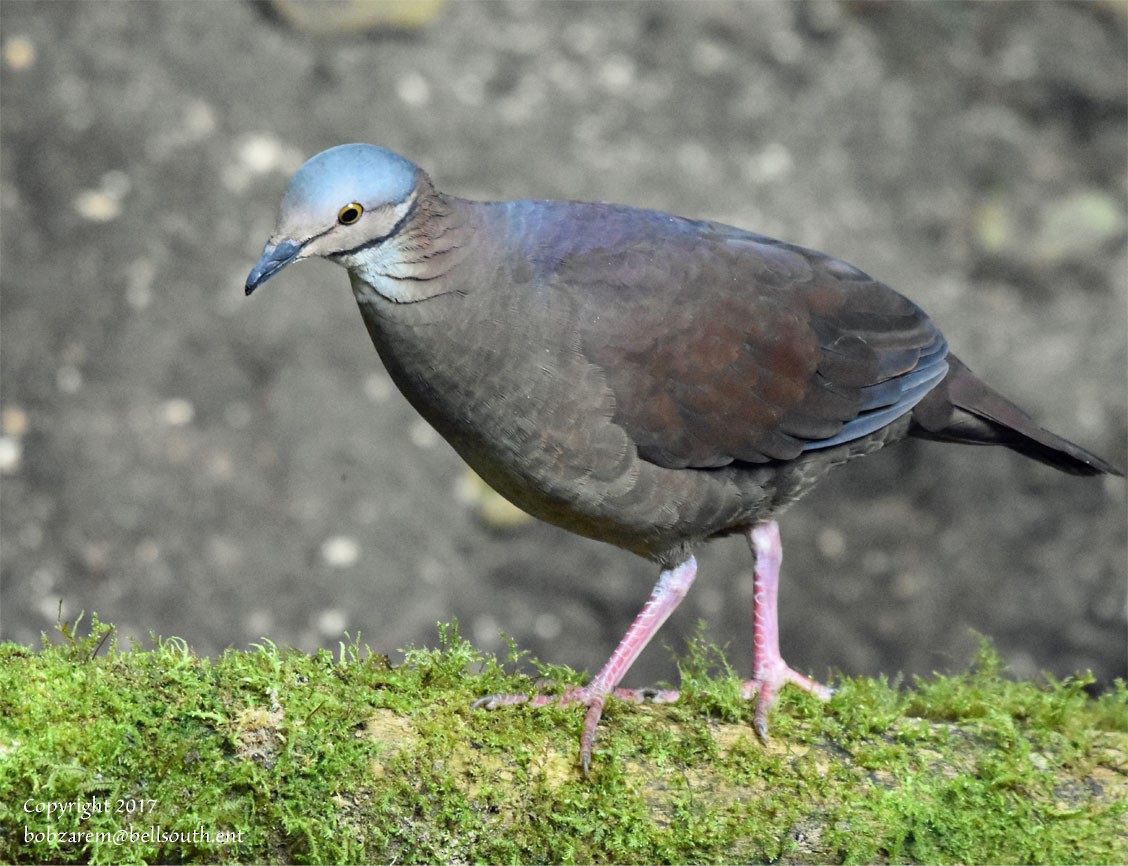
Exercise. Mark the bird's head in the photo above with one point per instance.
(338, 203)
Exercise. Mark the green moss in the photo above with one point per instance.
(341, 757)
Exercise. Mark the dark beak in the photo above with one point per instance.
(274, 258)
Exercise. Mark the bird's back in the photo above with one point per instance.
(646, 379)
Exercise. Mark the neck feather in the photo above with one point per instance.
(416, 263)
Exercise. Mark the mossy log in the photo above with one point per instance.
(278, 756)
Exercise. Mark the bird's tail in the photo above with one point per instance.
(964, 409)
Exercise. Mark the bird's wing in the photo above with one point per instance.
(722, 346)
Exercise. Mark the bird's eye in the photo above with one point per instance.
(350, 213)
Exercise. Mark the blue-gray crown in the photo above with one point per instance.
(364, 173)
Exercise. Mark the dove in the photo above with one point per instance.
(638, 378)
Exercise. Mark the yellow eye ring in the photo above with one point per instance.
(350, 213)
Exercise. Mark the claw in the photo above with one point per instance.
(492, 702)
(587, 738)
(766, 694)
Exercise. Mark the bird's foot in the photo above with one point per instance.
(591, 698)
(671, 588)
(766, 688)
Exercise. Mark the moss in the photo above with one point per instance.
(341, 757)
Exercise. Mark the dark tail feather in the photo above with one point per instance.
(964, 409)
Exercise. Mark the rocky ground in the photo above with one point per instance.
(185, 461)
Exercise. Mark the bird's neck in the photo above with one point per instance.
(416, 262)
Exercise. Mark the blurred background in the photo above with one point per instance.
(186, 461)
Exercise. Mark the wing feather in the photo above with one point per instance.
(723, 346)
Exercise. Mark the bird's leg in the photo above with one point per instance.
(769, 671)
(671, 588)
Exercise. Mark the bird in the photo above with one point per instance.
(639, 378)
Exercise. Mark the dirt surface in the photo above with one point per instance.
(186, 461)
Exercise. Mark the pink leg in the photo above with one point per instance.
(671, 588)
(769, 671)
